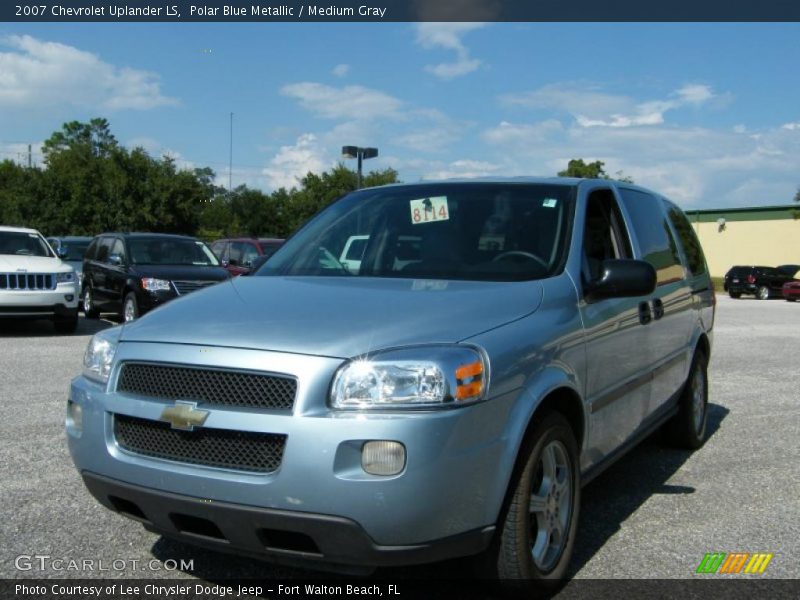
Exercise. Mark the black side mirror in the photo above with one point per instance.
(622, 278)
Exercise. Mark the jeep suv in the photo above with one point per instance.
(34, 282)
(762, 282)
(448, 404)
(133, 273)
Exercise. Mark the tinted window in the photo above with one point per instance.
(467, 231)
(689, 241)
(604, 235)
(655, 238)
(119, 249)
(75, 250)
(91, 252)
(104, 249)
(170, 251)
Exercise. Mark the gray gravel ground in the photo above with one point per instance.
(654, 514)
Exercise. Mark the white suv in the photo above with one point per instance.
(34, 283)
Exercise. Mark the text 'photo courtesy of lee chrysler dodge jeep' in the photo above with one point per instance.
(443, 403)
(133, 273)
(34, 282)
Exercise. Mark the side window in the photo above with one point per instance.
(689, 241)
(655, 238)
(235, 252)
(218, 248)
(103, 249)
(91, 251)
(604, 235)
(249, 255)
(119, 249)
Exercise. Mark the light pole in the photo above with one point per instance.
(361, 154)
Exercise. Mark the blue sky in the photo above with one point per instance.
(708, 114)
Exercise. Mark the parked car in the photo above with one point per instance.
(761, 282)
(791, 290)
(71, 249)
(237, 254)
(446, 405)
(132, 273)
(790, 270)
(34, 282)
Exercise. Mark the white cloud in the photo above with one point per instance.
(341, 70)
(791, 126)
(39, 74)
(349, 102)
(292, 163)
(464, 169)
(448, 36)
(594, 108)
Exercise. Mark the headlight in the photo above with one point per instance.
(65, 277)
(100, 354)
(418, 377)
(155, 285)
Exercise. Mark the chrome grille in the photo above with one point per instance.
(186, 287)
(27, 281)
(222, 448)
(212, 386)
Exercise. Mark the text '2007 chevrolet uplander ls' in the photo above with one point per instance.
(447, 402)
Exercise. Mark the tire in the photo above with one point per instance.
(87, 303)
(66, 325)
(130, 308)
(791, 299)
(526, 554)
(734, 294)
(687, 429)
(762, 293)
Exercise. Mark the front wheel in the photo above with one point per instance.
(88, 305)
(537, 533)
(763, 293)
(734, 294)
(130, 308)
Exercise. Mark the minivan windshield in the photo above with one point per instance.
(23, 244)
(168, 251)
(460, 231)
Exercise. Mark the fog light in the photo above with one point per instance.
(69, 297)
(382, 457)
(74, 416)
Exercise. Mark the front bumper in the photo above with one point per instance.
(453, 484)
(283, 536)
(60, 302)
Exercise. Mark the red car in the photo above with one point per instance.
(237, 254)
(791, 290)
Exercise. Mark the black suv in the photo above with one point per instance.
(762, 282)
(132, 273)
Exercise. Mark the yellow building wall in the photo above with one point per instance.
(766, 243)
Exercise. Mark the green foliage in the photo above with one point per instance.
(91, 184)
(593, 170)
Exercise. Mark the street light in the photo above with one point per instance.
(361, 154)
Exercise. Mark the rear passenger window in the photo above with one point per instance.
(655, 238)
(689, 241)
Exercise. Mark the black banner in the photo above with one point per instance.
(397, 10)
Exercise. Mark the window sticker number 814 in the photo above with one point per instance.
(428, 210)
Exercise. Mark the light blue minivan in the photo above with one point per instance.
(499, 343)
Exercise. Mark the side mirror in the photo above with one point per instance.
(115, 259)
(622, 278)
(61, 252)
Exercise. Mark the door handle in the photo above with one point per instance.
(658, 308)
(645, 316)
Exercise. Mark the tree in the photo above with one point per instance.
(593, 170)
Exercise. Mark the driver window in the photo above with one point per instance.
(118, 249)
(604, 234)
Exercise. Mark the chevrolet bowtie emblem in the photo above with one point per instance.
(184, 415)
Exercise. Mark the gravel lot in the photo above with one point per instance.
(652, 515)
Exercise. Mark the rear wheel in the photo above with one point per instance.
(687, 429)
(762, 293)
(88, 305)
(733, 294)
(537, 533)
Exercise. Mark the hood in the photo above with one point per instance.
(11, 263)
(181, 272)
(337, 317)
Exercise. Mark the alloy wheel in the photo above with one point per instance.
(551, 505)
